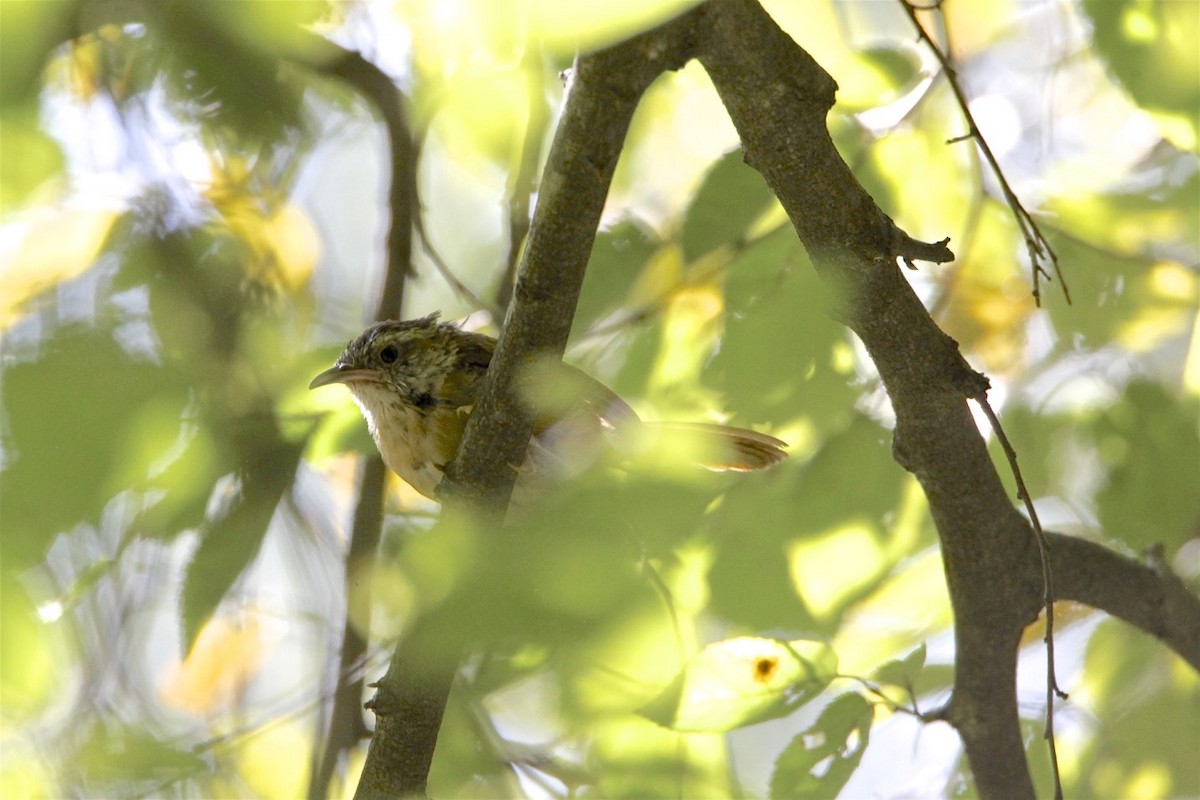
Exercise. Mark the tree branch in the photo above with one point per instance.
(1146, 595)
(778, 98)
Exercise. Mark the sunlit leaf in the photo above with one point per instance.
(31, 32)
(274, 27)
(26, 778)
(29, 670)
(782, 559)
(993, 297)
(838, 566)
(782, 355)
(741, 682)
(260, 757)
(1149, 45)
(1125, 223)
(633, 757)
(29, 158)
(909, 606)
(184, 407)
(820, 760)
(186, 481)
(56, 247)
(1138, 689)
(882, 73)
(459, 30)
(485, 117)
(917, 155)
(341, 431)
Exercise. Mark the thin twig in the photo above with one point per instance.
(876, 690)
(1043, 544)
(1036, 244)
(522, 183)
(458, 287)
(439, 263)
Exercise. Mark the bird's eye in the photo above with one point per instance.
(389, 354)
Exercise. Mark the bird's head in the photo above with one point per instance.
(406, 360)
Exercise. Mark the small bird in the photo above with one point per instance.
(416, 382)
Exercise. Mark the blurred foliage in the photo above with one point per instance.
(1150, 48)
(190, 233)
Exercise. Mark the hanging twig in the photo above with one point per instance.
(458, 287)
(1038, 247)
(522, 182)
(1052, 689)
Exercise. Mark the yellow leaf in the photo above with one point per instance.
(262, 755)
(57, 246)
(294, 244)
(662, 275)
(224, 660)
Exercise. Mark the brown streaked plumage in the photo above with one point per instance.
(416, 382)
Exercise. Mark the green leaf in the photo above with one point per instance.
(618, 256)
(881, 73)
(899, 65)
(122, 757)
(739, 682)
(782, 355)
(1144, 702)
(235, 72)
(819, 761)
(232, 537)
(31, 667)
(1150, 47)
(75, 431)
(731, 198)
(902, 672)
(28, 157)
(186, 483)
(751, 580)
(1151, 447)
(1132, 283)
(31, 33)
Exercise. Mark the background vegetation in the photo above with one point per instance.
(200, 206)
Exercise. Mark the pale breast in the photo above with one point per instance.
(407, 440)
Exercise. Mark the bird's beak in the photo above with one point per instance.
(341, 373)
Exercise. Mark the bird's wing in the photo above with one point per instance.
(583, 401)
(462, 384)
